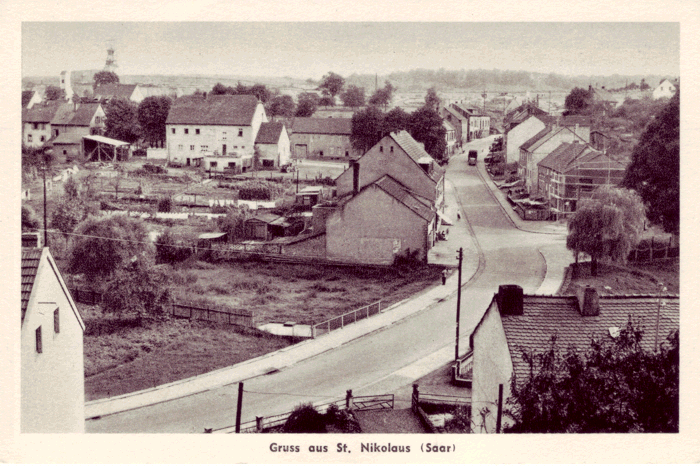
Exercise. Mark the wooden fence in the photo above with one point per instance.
(351, 317)
(653, 249)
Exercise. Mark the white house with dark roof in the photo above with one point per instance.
(36, 123)
(665, 89)
(219, 130)
(514, 323)
(272, 145)
(321, 138)
(52, 375)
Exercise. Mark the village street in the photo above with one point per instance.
(387, 360)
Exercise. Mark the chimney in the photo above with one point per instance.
(510, 300)
(355, 176)
(588, 301)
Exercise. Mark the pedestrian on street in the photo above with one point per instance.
(459, 217)
(444, 276)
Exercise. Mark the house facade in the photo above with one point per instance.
(459, 122)
(478, 126)
(519, 134)
(450, 138)
(111, 91)
(401, 157)
(515, 322)
(272, 144)
(216, 125)
(572, 172)
(380, 223)
(52, 375)
(71, 122)
(321, 138)
(665, 89)
(36, 123)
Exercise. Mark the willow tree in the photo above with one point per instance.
(608, 225)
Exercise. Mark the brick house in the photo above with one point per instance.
(217, 130)
(272, 144)
(321, 137)
(514, 323)
(572, 172)
(52, 374)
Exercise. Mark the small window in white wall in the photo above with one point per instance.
(179, 147)
(187, 131)
(240, 132)
(223, 135)
(196, 131)
(37, 335)
(192, 147)
(204, 147)
(29, 138)
(173, 130)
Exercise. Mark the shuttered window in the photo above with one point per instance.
(56, 322)
(38, 339)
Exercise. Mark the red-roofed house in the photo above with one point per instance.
(272, 145)
(321, 137)
(52, 375)
(514, 323)
(572, 172)
(219, 130)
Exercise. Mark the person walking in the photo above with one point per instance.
(444, 276)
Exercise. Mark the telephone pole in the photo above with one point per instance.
(459, 300)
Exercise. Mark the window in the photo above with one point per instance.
(232, 165)
(35, 126)
(242, 147)
(29, 138)
(43, 126)
(55, 133)
(43, 138)
(381, 148)
(196, 131)
(56, 322)
(179, 147)
(38, 339)
(173, 130)
(187, 131)
(204, 147)
(235, 147)
(65, 152)
(97, 120)
(240, 132)
(223, 135)
(391, 149)
(192, 147)
(212, 164)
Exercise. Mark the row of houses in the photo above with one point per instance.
(468, 123)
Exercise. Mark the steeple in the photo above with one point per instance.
(111, 62)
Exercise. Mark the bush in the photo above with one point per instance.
(305, 419)
(260, 190)
(170, 249)
(165, 205)
(29, 219)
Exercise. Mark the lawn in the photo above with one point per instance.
(122, 356)
(630, 279)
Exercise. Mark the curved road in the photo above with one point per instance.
(384, 361)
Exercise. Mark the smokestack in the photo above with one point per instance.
(510, 300)
(355, 176)
(588, 301)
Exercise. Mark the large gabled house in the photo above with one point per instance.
(515, 324)
(52, 374)
(71, 122)
(521, 133)
(572, 172)
(479, 124)
(217, 132)
(36, 123)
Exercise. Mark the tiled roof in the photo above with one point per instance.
(404, 196)
(573, 120)
(530, 142)
(40, 113)
(322, 126)
(115, 90)
(416, 152)
(448, 126)
(67, 138)
(455, 113)
(562, 156)
(544, 316)
(230, 110)
(603, 95)
(269, 133)
(30, 265)
(80, 117)
(26, 97)
(266, 218)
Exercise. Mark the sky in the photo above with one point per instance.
(311, 49)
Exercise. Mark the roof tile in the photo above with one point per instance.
(230, 110)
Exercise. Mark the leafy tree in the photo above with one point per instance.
(258, 90)
(326, 101)
(655, 168)
(220, 89)
(105, 77)
(426, 127)
(54, 93)
(172, 248)
(397, 119)
(151, 114)
(307, 102)
(353, 96)
(122, 122)
(30, 221)
(382, 97)
(367, 128)
(432, 101)
(643, 86)
(261, 92)
(139, 289)
(607, 225)
(71, 209)
(281, 105)
(233, 224)
(615, 386)
(107, 245)
(578, 101)
(332, 84)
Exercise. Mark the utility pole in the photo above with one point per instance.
(239, 407)
(459, 300)
(500, 408)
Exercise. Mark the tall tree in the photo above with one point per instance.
(105, 77)
(607, 225)
(121, 120)
(281, 105)
(332, 83)
(54, 93)
(307, 102)
(353, 96)
(397, 119)
(426, 127)
(432, 100)
(151, 114)
(137, 290)
(71, 209)
(367, 128)
(382, 97)
(578, 101)
(655, 168)
(615, 386)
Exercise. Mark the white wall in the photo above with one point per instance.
(519, 135)
(52, 382)
(155, 153)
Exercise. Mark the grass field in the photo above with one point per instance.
(631, 279)
(122, 356)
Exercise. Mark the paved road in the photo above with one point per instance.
(384, 361)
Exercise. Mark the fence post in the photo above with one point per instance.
(368, 312)
(239, 407)
(355, 314)
(342, 321)
(415, 398)
(348, 399)
(259, 423)
(313, 330)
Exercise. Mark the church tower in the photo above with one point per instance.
(111, 63)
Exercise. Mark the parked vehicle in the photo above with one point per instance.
(471, 158)
(288, 168)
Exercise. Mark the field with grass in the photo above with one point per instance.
(630, 279)
(124, 355)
